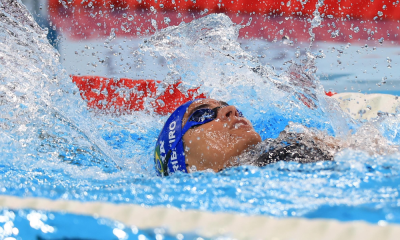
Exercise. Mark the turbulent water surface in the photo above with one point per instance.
(53, 147)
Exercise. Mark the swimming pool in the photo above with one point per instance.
(54, 148)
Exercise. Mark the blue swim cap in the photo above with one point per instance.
(169, 155)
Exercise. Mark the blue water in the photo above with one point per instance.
(30, 224)
(53, 147)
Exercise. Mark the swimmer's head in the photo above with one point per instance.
(169, 155)
(203, 134)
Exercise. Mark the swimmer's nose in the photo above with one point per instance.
(227, 112)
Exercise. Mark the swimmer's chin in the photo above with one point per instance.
(246, 156)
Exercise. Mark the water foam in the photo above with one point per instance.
(43, 116)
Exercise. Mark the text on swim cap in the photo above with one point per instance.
(171, 136)
(171, 133)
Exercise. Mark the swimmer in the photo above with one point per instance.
(206, 134)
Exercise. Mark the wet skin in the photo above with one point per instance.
(215, 145)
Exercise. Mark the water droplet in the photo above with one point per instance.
(142, 237)
(316, 21)
(120, 234)
(124, 15)
(161, 5)
(167, 20)
(154, 23)
(99, 24)
(130, 17)
(179, 236)
(356, 29)
(384, 7)
(334, 33)
(285, 39)
(297, 53)
(380, 14)
(380, 40)
(382, 223)
(111, 36)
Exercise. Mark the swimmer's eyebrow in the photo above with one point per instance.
(223, 103)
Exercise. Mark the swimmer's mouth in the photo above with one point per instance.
(240, 123)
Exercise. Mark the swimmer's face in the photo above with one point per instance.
(215, 144)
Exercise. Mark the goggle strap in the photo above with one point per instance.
(165, 164)
(188, 125)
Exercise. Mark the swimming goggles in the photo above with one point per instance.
(203, 116)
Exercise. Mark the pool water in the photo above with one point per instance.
(53, 147)
(29, 224)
